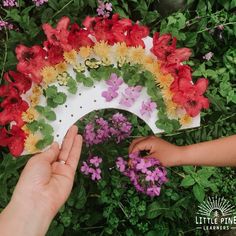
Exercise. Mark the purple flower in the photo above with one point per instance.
(110, 94)
(114, 81)
(208, 56)
(85, 168)
(153, 191)
(5, 24)
(147, 108)
(104, 9)
(39, 2)
(121, 164)
(133, 92)
(10, 3)
(108, 6)
(96, 161)
(130, 96)
(120, 127)
(96, 135)
(127, 101)
(146, 175)
(96, 173)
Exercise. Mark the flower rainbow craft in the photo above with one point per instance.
(108, 62)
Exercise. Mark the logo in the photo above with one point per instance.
(216, 214)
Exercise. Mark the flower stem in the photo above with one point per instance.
(62, 8)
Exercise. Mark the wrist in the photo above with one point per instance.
(24, 217)
(182, 156)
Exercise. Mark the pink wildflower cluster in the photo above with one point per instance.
(146, 174)
(10, 3)
(104, 9)
(92, 168)
(101, 130)
(39, 2)
(5, 24)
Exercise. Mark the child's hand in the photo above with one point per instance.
(168, 154)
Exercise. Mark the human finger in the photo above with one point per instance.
(67, 143)
(75, 152)
(142, 145)
(134, 142)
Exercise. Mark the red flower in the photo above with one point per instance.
(59, 35)
(120, 29)
(183, 73)
(81, 34)
(13, 139)
(179, 55)
(54, 53)
(162, 45)
(20, 82)
(136, 34)
(116, 30)
(190, 96)
(31, 61)
(13, 106)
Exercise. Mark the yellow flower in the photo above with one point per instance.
(102, 49)
(165, 80)
(136, 54)
(30, 143)
(61, 67)
(34, 100)
(70, 57)
(49, 74)
(79, 67)
(167, 94)
(30, 115)
(171, 108)
(25, 129)
(85, 52)
(62, 79)
(37, 90)
(121, 50)
(186, 120)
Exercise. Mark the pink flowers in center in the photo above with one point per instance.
(92, 168)
(145, 174)
(101, 130)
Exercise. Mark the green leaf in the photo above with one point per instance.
(33, 126)
(72, 86)
(46, 141)
(154, 210)
(60, 98)
(51, 91)
(88, 82)
(50, 115)
(187, 181)
(199, 192)
(188, 169)
(81, 200)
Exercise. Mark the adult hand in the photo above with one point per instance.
(43, 188)
(167, 153)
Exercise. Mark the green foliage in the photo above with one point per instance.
(113, 206)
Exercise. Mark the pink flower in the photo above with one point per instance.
(85, 168)
(147, 108)
(114, 81)
(208, 56)
(95, 161)
(110, 94)
(121, 164)
(133, 92)
(104, 9)
(130, 96)
(96, 173)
